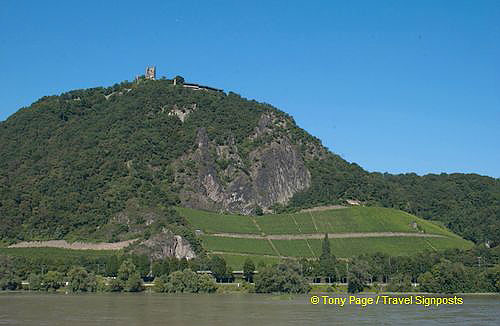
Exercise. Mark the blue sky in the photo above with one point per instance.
(396, 86)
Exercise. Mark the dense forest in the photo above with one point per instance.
(71, 164)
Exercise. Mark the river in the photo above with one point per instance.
(231, 309)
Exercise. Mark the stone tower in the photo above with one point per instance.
(151, 72)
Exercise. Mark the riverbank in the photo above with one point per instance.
(245, 288)
(234, 289)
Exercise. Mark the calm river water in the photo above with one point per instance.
(231, 309)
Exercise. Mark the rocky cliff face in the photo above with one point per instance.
(165, 244)
(270, 169)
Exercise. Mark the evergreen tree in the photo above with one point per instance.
(327, 261)
(325, 248)
(248, 270)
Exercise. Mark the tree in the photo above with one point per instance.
(134, 283)
(325, 248)
(160, 283)
(161, 268)
(447, 277)
(52, 281)
(358, 277)
(248, 270)
(142, 264)
(8, 279)
(206, 284)
(328, 268)
(35, 282)
(492, 278)
(400, 283)
(111, 266)
(10, 282)
(310, 267)
(77, 279)
(283, 278)
(128, 278)
(175, 282)
(190, 280)
(185, 281)
(327, 262)
(218, 267)
(127, 268)
(115, 285)
(101, 284)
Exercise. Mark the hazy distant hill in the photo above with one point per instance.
(109, 163)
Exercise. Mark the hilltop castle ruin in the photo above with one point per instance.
(151, 72)
(151, 75)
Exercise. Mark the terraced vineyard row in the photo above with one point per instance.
(359, 229)
(340, 247)
(356, 219)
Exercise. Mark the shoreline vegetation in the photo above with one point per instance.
(241, 290)
(447, 272)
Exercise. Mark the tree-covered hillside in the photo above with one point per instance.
(109, 163)
(69, 163)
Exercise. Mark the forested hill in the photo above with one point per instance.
(110, 163)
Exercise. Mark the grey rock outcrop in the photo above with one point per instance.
(224, 179)
(165, 244)
(182, 112)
